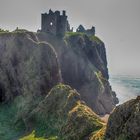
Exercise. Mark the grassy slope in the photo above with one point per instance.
(8, 130)
(32, 136)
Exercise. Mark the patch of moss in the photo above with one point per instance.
(3, 31)
(100, 79)
(71, 38)
(82, 121)
(74, 34)
(32, 136)
(63, 114)
(51, 114)
(48, 127)
(17, 30)
(96, 39)
(98, 135)
(8, 33)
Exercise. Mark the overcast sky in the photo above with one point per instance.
(117, 23)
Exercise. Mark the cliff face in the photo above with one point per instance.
(31, 64)
(26, 66)
(124, 122)
(84, 67)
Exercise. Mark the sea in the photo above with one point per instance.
(126, 87)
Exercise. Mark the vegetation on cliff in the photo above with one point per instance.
(33, 137)
(96, 39)
(8, 127)
(60, 114)
(3, 31)
(56, 117)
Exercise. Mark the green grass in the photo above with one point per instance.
(98, 135)
(32, 136)
(8, 129)
(17, 30)
(3, 31)
(101, 79)
(49, 128)
(96, 39)
(74, 33)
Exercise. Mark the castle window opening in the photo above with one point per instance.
(51, 23)
(55, 23)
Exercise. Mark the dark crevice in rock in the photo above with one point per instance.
(2, 94)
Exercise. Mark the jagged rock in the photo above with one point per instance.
(124, 122)
(60, 114)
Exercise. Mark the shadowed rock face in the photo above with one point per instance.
(26, 66)
(124, 122)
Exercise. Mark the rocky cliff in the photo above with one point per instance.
(124, 122)
(60, 114)
(31, 64)
(84, 67)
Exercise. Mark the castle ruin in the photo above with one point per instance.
(54, 23)
(89, 32)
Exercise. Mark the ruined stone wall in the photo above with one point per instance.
(62, 25)
(54, 23)
(49, 23)
(89, 32)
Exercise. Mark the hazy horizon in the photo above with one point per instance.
(116, 21)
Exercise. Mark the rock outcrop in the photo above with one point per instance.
(32, 63)
(84, 67)
(60, 114)
(26, 66)
(124, 122)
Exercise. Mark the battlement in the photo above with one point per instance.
(55, 23)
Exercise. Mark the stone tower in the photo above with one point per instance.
(54, 23)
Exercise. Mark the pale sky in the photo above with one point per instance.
(117, 24)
